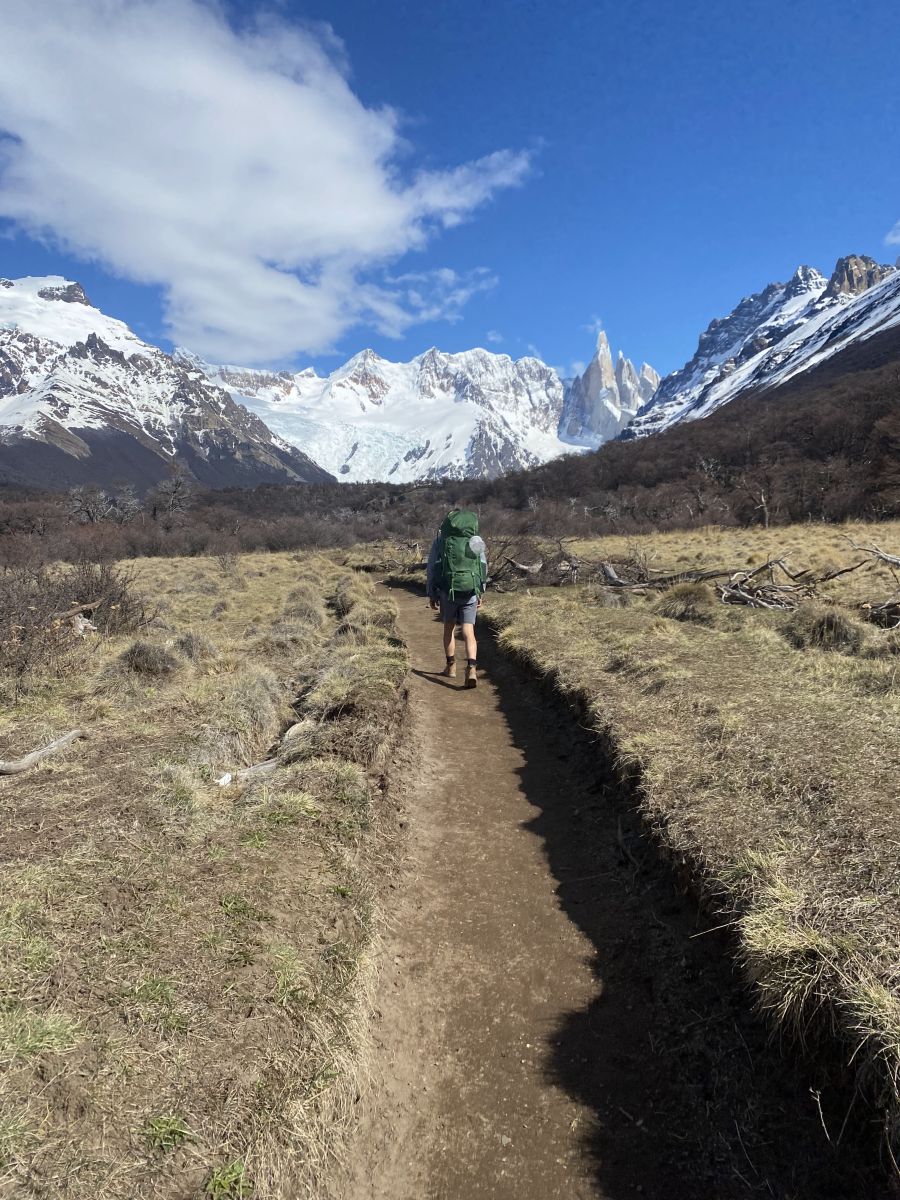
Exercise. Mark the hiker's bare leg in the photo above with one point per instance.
(468, 632)
(450, 638)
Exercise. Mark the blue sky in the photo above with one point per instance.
(527, 169)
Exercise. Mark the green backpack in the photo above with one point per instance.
(461, 570)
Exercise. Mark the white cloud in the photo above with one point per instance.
(594, 325)
(893, 238)
(571, 371)
(494, 337)
(433, 295)
(533, 351)
(237, 169)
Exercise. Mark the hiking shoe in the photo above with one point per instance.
(471, 677)
(449, 672)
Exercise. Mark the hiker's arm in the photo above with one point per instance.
(430, 588)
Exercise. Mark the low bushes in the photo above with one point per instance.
(38, 607)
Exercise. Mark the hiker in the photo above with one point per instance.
(455, 583)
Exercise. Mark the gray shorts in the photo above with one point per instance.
(462, 610)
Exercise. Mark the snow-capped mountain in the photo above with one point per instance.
(83, 399)
(774, 335)
(452, 416)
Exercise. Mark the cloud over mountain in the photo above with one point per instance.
(233, 166)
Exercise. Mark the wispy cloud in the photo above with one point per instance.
(493, 337)
(234, 167)
(533, 351)
(594, 325)
(893, 238)
(441, 294)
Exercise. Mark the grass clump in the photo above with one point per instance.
(196, 647)
(245, 719)
(815, 626)
(25, 1033)
(358, 680)
(305, 605)
(166, 1133)
(687, 602)
(229, 1182)
(883, 645)
(347, 592)
(148, 659)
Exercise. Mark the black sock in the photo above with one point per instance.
(451, 658)
(473, 662)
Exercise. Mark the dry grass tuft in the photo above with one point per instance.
(356, 680)
(814, 625)
(347, 592)
(305, 605)
(148, 658)
(687, 602)
(196, 647)
(883, 644)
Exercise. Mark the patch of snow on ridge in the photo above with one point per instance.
(58, 321)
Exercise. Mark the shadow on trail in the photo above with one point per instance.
(441, 680)
(689, 1099)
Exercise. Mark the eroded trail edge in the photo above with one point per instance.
(548, 1022)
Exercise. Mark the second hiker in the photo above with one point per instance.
(456, 578)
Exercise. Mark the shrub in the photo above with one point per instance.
(814, 626)
(145, 658)
(687, 602)
(34, 638)
(122, 609)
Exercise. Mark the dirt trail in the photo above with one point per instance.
(548, 1024)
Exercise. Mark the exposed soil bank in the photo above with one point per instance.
(553, 1019)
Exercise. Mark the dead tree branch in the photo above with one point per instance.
(15, 766)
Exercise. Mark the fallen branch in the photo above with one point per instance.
(262, 768)
(80, 608)
(886, 614)
(15, 765)
(525, 568)
(893, 560)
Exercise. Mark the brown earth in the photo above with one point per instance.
(554, 1019)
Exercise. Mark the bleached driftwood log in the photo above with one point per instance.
(16, 765)
(525, 568)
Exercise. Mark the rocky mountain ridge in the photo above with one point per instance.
(775, 334)
(474, 414)
(83, 399)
